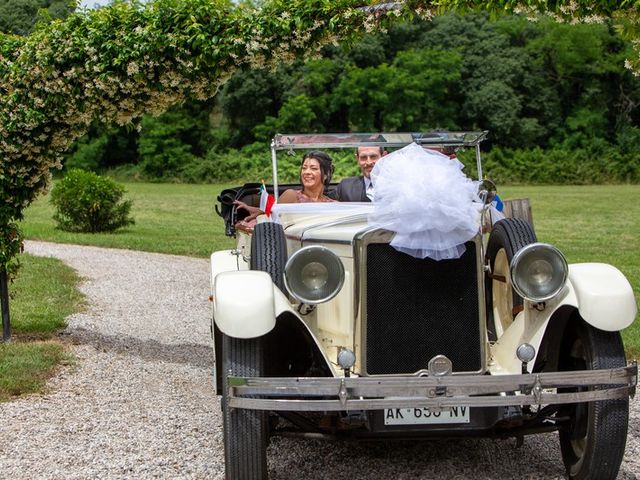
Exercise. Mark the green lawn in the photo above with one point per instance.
(43, 294)
(170, 218)
(25, 367)
(588, 223)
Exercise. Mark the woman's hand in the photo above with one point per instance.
(253, 211)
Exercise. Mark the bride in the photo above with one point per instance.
(316, 171)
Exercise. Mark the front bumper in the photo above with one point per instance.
(311, 394)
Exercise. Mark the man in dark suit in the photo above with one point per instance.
(360, 189)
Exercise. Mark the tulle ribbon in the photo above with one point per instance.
(425, 198)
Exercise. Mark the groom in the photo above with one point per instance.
(360, 189)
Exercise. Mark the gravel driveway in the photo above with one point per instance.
(139, 403)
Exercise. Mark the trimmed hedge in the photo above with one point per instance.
(602, 163)
(557, 166)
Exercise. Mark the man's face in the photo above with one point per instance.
(367, 158)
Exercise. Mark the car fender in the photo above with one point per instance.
(246, 303)
(603, 295)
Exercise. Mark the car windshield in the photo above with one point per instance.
(287, 166)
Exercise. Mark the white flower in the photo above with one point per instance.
(132, 69)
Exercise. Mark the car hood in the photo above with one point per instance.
(323, 222)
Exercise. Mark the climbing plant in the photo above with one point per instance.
(115, 64)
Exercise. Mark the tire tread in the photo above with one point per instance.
(610, 417)
(268, 251)
(245, 432)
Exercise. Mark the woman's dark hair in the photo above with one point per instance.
(326, 164)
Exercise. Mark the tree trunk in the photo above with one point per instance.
(4, 300)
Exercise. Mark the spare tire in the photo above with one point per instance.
(269, 251)
(503, 303)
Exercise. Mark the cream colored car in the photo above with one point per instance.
(322, 329)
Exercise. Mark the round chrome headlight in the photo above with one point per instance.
(314, 274)
(538, 272)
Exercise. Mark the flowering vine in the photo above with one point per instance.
(118, 63)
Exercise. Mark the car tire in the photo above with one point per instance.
(245, 431)
(269, 251)
(503, 303)
(593, 442)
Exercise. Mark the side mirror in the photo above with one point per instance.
(487, 191)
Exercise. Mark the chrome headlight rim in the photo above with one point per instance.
(291, 264)
(523, 253)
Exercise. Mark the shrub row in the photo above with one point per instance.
(557, 166)
(599, 163)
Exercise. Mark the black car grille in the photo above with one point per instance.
(417, 309)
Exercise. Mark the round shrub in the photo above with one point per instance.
(87, 202)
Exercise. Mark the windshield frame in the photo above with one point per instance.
(313, 141)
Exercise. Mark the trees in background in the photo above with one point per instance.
(19, 16)
(540, 85)
(543, 85)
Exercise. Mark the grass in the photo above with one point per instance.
(170, 218)
(44, 293)
(42, 296)
(25, 367)
(599, 223)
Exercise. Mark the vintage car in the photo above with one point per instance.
(322, 329)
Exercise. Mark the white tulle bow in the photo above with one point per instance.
(425, 198)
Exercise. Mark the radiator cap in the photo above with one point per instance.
(440, 366)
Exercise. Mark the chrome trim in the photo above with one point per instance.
(440, 360)
(320, 240)
(292, 141)
(359, 258)
(377, 235)
(358, 249)
(482, 303)
(325, 252)
(478, 161)
(516, 260)
(274, 166)
(368, 393)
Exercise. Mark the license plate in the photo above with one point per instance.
(424, 416)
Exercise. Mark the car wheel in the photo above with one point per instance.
(269, 251)
(503, 303)
(593, 442)
(245, 431)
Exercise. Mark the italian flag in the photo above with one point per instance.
(266, 200)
